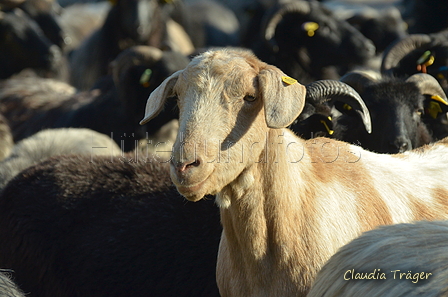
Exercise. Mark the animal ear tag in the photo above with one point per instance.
(324, 122)
(310, 28)
(425, 60)
(433, 109)
(347, 107)
(288, 80)
(144, 79)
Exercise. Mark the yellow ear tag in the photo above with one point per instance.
(288, 80)
(434, 109)
(347, 107)
(329, 131)
(424, 61)
(310, 28)
(439, 99)
(144, 79)
(430, 61)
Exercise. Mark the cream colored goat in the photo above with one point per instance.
(286, 204)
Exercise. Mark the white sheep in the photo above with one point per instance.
(53, 142)
(391, 261)
(286, 204)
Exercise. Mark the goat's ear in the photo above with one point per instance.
(283, 97)
(156, 100)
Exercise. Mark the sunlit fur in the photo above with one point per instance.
(53, 142)
(286, 204)
(412, 249)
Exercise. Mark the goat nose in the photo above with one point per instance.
(182, 167)
(401, 145)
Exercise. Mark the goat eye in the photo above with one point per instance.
(249, 98)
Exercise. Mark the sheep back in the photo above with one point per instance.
(76, 227)
(394, 250)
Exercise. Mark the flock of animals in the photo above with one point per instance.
(222, 148)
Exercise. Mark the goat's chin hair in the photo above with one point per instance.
(223, 200)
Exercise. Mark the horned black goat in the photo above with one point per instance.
(127, 23)
(114, 107)
(24, 45)
(77, 226)
(423, 53)
(396, 108)
(307, 42)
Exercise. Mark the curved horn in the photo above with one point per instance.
(358, 80)
(399, 49)
(274, 16)
(428, 85)
(329, 90)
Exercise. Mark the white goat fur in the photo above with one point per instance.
(415, 248)
(286, 204)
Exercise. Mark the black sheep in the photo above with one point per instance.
(307, 42)
(114, 107)
(77, 226)
(23, 45)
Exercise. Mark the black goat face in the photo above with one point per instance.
(395, 110)
(138, 18)
(24, 45)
